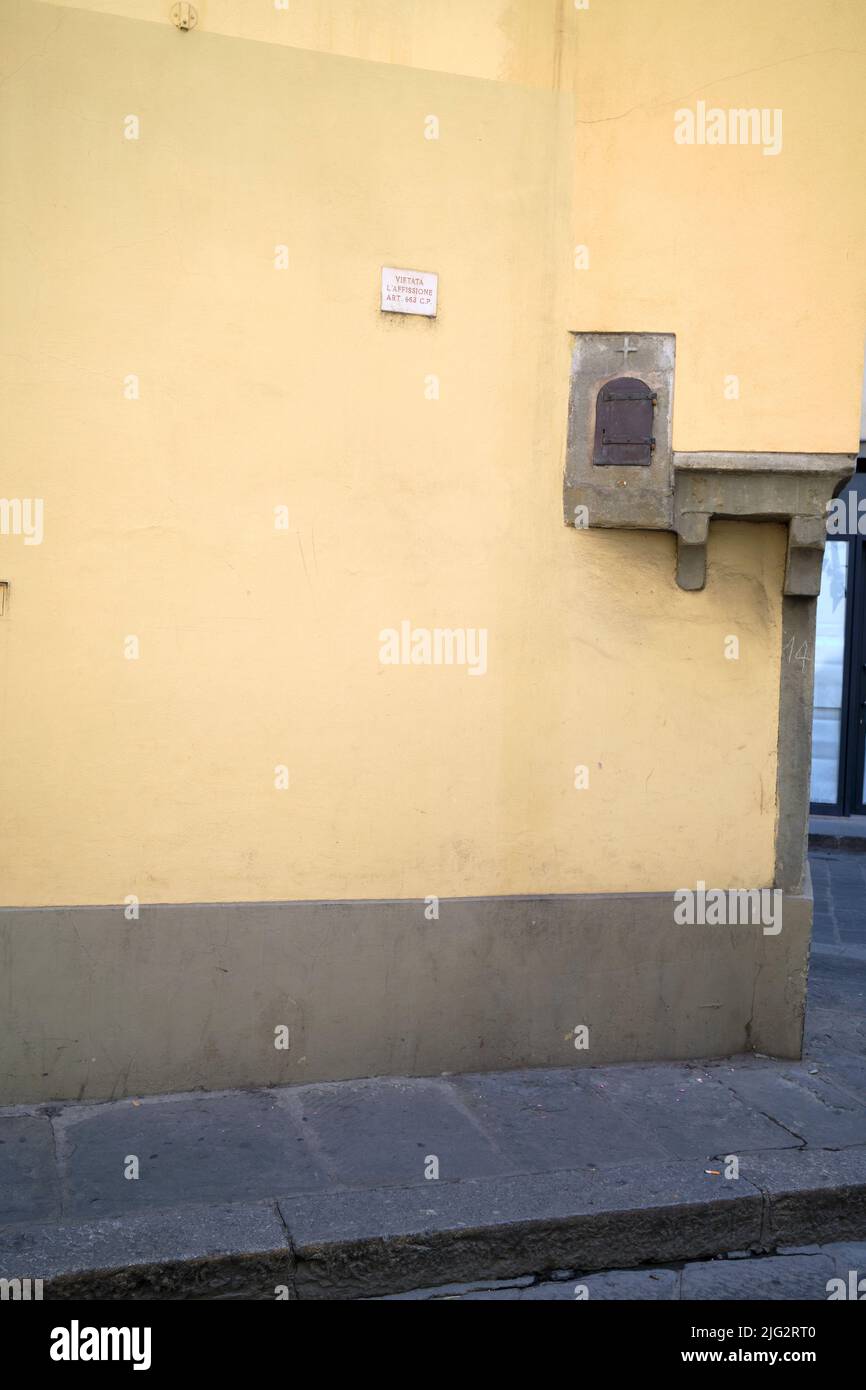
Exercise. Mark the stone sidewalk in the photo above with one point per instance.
(373, 1188)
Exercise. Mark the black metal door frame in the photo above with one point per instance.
(852, 741)
(851, 778)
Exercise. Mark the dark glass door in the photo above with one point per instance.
(839, 714)
(854, 795)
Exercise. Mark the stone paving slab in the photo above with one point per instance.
(838, 984)
(554, 1119)
(660, 1285)
(653, 1285)
(810, 1106)
(29, 1177)
(693, 1112)
(196, 1149)
(837, 1038)
(790, 1277)
(368, 1133)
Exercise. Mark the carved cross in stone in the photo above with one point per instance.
(625, 350)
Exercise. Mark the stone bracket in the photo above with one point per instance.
(806, 537)
(791, 488)
(692, 550)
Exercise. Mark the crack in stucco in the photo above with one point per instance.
(715, 82)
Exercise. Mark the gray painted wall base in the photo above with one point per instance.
(190, 996)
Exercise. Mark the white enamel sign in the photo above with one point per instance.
(409, 291)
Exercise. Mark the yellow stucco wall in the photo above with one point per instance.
(261, 387)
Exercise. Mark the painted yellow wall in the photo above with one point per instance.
(757, 263)
(262, 387)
